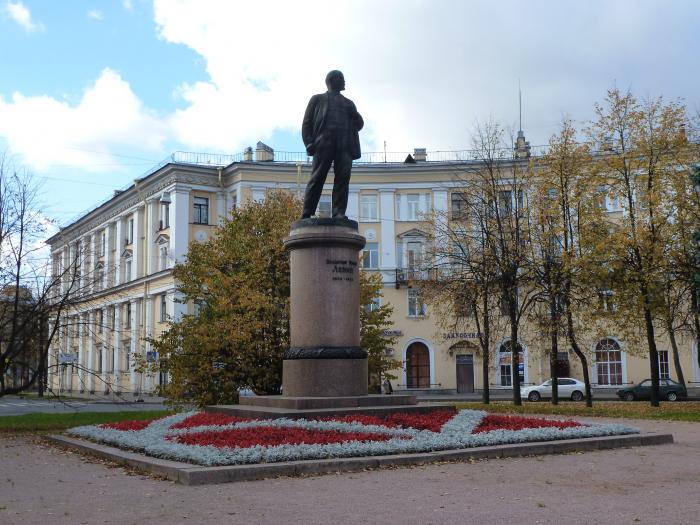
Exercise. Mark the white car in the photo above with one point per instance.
(568, 388)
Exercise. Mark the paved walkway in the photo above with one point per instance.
(40, 484)
(15, 405)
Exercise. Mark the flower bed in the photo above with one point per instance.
(218, 439)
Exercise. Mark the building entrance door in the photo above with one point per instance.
(465, 374)
(563, 368)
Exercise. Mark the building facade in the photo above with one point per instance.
(126, 249)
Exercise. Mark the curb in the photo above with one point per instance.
(189, 474)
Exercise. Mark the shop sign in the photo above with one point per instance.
(460, 335)
(393, 333)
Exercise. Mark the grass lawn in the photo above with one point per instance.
(677, 411)
(58, 422)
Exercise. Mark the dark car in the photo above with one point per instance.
(668, 389)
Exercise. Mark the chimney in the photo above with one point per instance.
(420, 155)
(522, 147)
(264, 153)
(248, 154)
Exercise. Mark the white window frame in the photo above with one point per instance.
(369, 207)
(200, 210)
(416, 307)
(667, 365)
(163, 308)
(370, 256)
(325, 201)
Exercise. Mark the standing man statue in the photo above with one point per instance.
(331, 134)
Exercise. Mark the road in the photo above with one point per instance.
(15, 405)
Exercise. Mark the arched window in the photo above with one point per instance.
(417, 366)
(504, 364)
(608, 358)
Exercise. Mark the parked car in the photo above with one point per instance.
(668, 389)
(568, 388)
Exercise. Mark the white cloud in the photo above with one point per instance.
(22, 16)
(44, 131)
(128, 5)
(420, 72)
(95, 14)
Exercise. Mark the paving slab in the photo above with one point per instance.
(189, 474)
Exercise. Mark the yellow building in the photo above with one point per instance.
(127, 247)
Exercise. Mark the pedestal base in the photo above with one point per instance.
(270, 407)
(324, 377)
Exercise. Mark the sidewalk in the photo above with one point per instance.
(638, 485)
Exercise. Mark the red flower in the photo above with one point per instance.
(205, 418)
(432, 421)
(499, 422)
(271, 436)
(129, 425)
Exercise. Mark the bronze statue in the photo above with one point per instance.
(331, 134)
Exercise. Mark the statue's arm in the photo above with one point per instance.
(359, 123)
(307, 125)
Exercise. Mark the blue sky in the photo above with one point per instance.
(93, 93)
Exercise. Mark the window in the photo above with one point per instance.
(127, 269)
(664, 370)
(163, 309)
(127, 317)
(103, 244)
(417, 366)
(412, 206)
(459, 205)
(130, 232)
(163, 256)
(164, 215)
(324, 206)
(606, 301)
(608, 357)
(375, 303)
(370, 256)
(127, 356)
(234, 200)
(109, 365)
(98, 349)
(200, 211)
(99, 277)
(462, 307)
(369, 208)
(416, 308)
(197, 307)
(505, 358)
(113, 317)
(100, 321)
(505, 202)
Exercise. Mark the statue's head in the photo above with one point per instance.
(335, 81)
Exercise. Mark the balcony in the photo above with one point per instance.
(404, 276)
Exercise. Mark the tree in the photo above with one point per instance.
(33, 296)
(375, 320)
(238, 284)
(503, 183)
(462, 284)
(646, 142)
(568, 227)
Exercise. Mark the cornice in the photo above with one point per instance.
(155, 183)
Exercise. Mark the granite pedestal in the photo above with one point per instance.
(325, 369)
